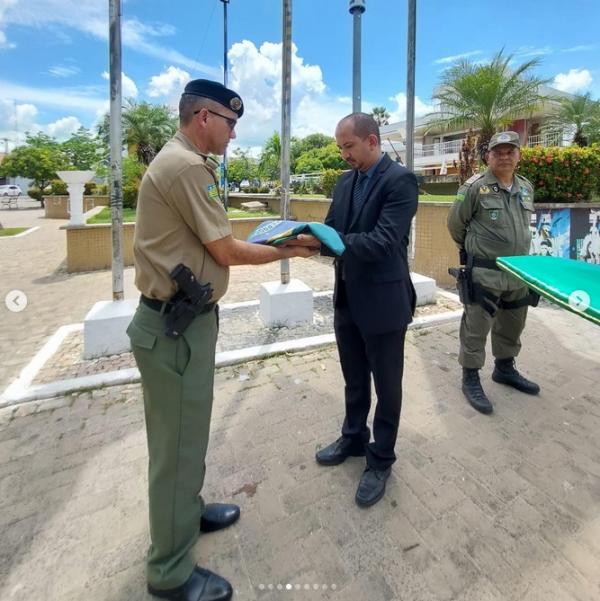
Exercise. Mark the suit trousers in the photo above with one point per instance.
(360, 356)
(507, 326)
(177, 380)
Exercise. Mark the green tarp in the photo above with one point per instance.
(574, 285)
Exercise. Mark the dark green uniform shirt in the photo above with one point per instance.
(489, 221)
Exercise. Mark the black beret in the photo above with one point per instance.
(218, 92)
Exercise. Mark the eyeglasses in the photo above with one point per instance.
(230, 122)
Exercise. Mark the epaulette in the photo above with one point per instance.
(473, 179)
(523, 177)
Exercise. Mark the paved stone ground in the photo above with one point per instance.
(36, 265)
(239, 328)
(478, 508)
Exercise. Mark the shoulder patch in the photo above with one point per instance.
(473, 179)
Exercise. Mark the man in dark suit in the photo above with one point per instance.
(374, 298)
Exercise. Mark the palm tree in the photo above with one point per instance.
(380, 114)
(146, 128)
(268, 164)
(577, 112)
(486, 97)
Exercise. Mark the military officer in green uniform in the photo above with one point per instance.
(490, 218)
(181, 220)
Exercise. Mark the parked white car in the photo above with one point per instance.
(10, 190)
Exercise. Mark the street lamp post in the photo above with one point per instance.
(357, 8)
(410, 103)
(225, 178)
(116, 191)
(286, 110)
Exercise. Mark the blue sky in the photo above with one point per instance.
(54, 55)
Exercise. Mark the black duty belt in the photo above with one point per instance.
(166, 306)
(480, 262)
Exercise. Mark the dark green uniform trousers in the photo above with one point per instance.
(507, 326)
(177, 380)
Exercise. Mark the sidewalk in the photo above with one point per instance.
(478, 508)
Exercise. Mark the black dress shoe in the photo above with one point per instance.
(202, 585)
(217, 516)
(505, 372)
(371, 486)
(471, 387)
(337, 452)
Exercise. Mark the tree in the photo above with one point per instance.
(39, 163)
(241, 166)
(380, 114)
(147, 128)
(268, 164)
(298, 147)
(82, 149)
(580, 113)
(486, 97)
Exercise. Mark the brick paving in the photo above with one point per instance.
(478, 508)
(36, 265)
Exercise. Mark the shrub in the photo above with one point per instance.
(89, 188)
(36, 194)
(562, 174)
(58, 187)
(329, 179)
(102, 189)
(130, 194)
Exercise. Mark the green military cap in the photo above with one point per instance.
(218, 92)
(505, 137)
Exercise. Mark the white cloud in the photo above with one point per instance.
(90, 16)
(451, 59)
(399, 113)
(64, 98)
(169, 84)
(63, 71)
(525, 51)
(63, 128)
(256, 75)
(4, 5)
(128, 87)
(580, 48)
(576, 80)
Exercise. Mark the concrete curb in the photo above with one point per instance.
(21, 391)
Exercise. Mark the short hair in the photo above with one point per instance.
(363, 125)
(190, 103)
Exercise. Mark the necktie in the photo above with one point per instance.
(357, 194)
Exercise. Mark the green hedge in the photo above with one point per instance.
(328, 181)
(569, 174)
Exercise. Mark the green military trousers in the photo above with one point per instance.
(177, 380)
(507, 326)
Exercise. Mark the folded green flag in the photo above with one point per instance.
(276, 232)
(574, 285)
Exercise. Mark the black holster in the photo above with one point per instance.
(187, 303)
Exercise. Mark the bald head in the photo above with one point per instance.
(362, 125)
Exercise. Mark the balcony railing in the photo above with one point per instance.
(438, 148)
(549, 139)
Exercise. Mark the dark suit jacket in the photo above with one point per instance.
(374, 266)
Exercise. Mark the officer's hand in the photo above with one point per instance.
(289, 251)
(304, 240)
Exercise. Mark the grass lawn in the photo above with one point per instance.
(129, 215)
(12, 231)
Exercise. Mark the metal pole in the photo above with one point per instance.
(410, 103)
(116, 145)
(225, 178)
(357, 8)
(286, 110)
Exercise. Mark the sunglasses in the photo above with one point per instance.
(230, 122)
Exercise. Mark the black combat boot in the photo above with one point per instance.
(471, 387)
(506, 373)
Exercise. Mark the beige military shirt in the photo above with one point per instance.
(490, 221)
(179, 210)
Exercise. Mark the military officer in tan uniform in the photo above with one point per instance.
(181, 220)
(490, 218)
